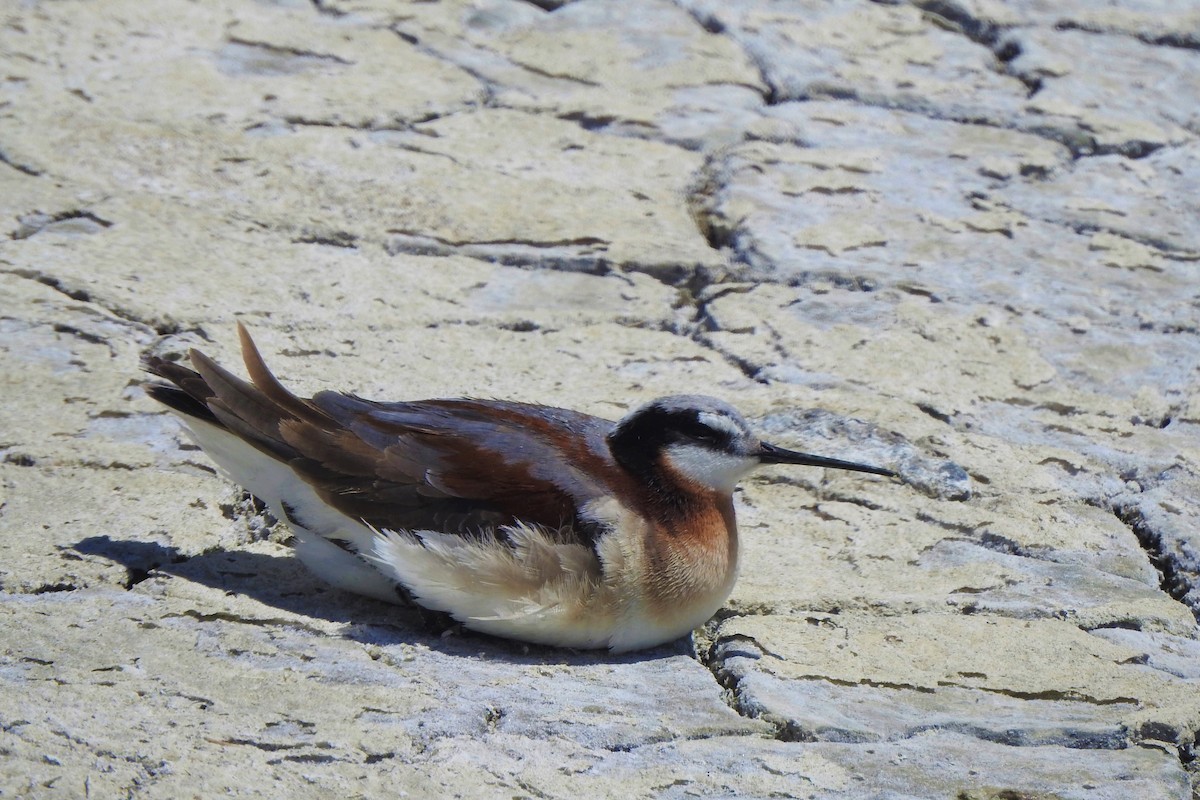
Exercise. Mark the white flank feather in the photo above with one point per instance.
(275, 484)
(533, 587)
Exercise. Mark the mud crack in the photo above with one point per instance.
(1174, 578)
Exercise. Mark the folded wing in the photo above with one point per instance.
(453, 466)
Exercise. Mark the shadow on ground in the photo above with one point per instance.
(282, 582)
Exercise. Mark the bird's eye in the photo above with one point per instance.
(702, 433)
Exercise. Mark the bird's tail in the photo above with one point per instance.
(251, 410)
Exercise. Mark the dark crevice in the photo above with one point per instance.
(375, 758)
(162, 328)
(709, 22)
(410, 38)
(773, 96)
(971, 534)
(82, 295)
(702, 323)
(324, 8)
(555, 76)
(1181, 40)
(1080, 143)
(1133, 149)
(309, 122)
(343, 239)
(1165, 246)
(263, 622)
(487, 86)
(712, 24)
(306, 759)
(71, 330)
(1172, 580)
(1007, 50)
(929, 410)
(723, 236)
(1004, 49)
(137, 572)
(524, 255)
(52, 588)
(588, 121)
(32, 224)
(1188, 756)
(1185, 41)
(9, 161)
(745, 366)
(1033, 84)
(548, 5)
(955, 17)
(706, 644)
(136, 575)
(581, 241)
(702, 197)
(838, 280)
(587, 255)
(289, 51)
(274, 747)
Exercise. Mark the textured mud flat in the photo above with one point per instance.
(958, 239)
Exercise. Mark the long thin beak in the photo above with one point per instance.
(770, 454)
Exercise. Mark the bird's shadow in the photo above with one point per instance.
(284, 583)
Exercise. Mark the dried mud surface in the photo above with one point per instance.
(960, 239)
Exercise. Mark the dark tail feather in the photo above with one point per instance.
(189, 395)
(253, 411)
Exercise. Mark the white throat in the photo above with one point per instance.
(707, 467)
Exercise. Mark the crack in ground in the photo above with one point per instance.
(959, 19)
(260, 622)
(951, 16)
(587, 255)
(787, 729)
(1168, 250)
(705, 644)
(1174, 579)
(84, 296)
(488, 87)
(990, 35)
(19, 166)
(711, 24)
(288, 51)
(1077, 141)
(1181, 40)
(703, 323)
(987, 34)
(568, 256)
(342, 239)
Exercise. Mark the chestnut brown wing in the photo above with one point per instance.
(456, 466)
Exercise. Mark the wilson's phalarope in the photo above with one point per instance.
(523, 521)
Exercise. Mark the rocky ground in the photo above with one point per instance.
(957, 238)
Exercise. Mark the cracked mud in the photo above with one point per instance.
(957, 239)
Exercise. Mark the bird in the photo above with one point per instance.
(522, 521)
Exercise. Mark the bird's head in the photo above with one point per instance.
(704, 442)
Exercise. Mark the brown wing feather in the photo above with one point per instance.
(269, 385)
(458, 466)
